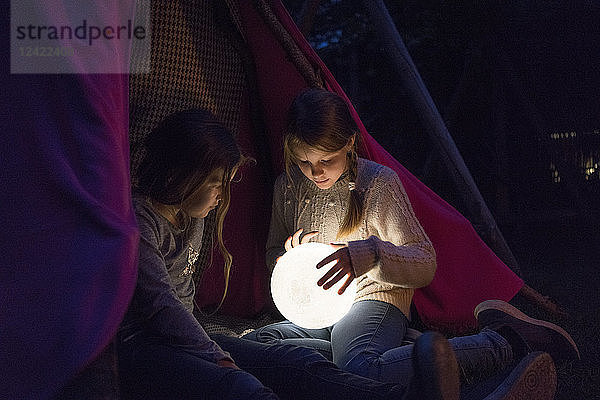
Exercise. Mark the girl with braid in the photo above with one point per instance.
(330, 195)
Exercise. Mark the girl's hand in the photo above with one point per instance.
(341, 268)
(227, 364)
(295, 240)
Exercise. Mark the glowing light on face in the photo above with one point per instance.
(323, 168)
(295, 291)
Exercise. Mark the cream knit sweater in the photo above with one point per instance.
(390, 252)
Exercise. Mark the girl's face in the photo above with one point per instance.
(207, 196)
(323, 168)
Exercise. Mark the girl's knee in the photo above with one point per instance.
(272, 333)
(267, 334)
(364, 364)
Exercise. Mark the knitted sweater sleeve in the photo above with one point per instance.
(278, 229)
(157, 300)
(397, 250)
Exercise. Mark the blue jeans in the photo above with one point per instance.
(152, 368)
(368, 341)
(149, 368)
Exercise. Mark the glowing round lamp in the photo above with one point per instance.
(296, 293)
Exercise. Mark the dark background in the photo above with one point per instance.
(517, 84)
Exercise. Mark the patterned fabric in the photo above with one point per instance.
(231, 325)
(193, 65)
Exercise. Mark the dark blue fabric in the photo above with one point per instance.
(149, 367)
(295, 372)
(368, 341)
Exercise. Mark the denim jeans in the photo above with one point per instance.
(368, 341)
(152, 369)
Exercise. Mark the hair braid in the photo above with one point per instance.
(354, 214)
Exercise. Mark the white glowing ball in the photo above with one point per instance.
(296, 293)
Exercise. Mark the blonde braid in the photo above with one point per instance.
(354, 214)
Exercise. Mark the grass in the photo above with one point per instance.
(562, 261)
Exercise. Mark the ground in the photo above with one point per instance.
(562, 261)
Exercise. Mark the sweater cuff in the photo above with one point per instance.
(224, 356)
(363, 255)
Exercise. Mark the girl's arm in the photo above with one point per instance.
(397, 251)
(156, 300)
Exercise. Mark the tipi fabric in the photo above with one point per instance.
(70, 240)
(69, 237)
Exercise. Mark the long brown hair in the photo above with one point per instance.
(322, 120)
(180, 153)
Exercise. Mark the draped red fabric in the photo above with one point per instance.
(245, 230)
(69, 237)
(468, 271)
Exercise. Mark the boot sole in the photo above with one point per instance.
(533, 378)
(518, 314)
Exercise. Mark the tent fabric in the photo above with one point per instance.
(468, 271)
(69, 241)
(69, 237)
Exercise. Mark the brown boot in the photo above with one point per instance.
(435, 369)
(526, 334)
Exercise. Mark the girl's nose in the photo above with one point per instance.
(316, 170)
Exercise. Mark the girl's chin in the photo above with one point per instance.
(200, 214)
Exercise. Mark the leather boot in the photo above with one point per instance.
(526, 334)
(435, 370)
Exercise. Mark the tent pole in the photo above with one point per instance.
(479, 214)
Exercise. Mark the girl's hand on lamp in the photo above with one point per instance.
(341, 268)
(295, 240)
